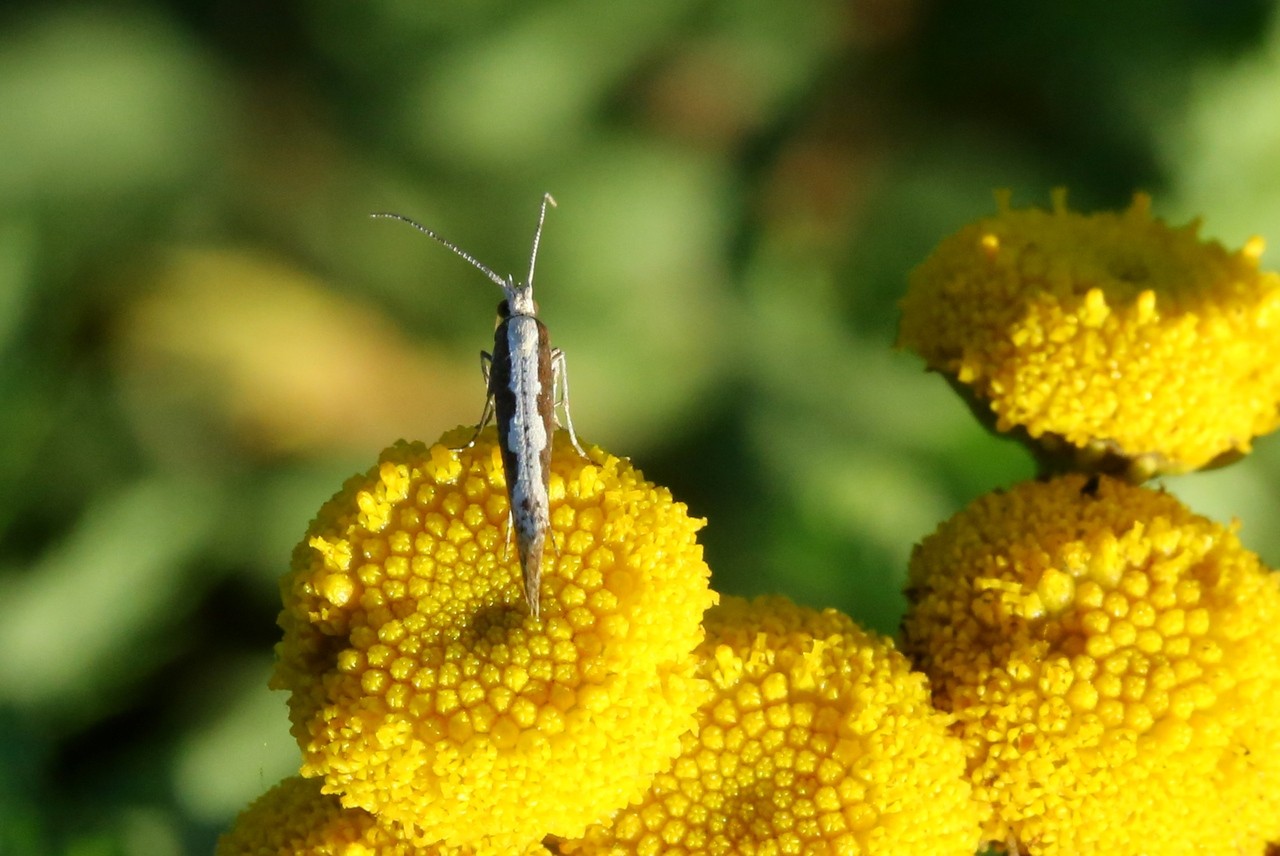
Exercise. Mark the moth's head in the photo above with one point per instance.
(519, 300)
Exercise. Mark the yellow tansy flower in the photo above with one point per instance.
(1113, 340)
(423, 690)
(819, 740)
(295, 819)
(1113, 663)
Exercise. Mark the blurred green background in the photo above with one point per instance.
(202, 333)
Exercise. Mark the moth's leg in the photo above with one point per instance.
(560, 380)
(486, 415)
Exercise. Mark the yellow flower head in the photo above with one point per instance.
(819, 739)
(295, 819)
(1114, 339)
(423, 691)
(1113, 663)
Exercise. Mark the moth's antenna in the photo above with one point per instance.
(470, 258)
(537, 235)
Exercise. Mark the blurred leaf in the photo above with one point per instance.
(22, 761)
(290, 365)
(242, 748)
(1222, 151)
(17, 279)
(98, 103)
(84, 620)
(632, 286)
(528, 87)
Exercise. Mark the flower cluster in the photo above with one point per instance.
(1113, 339)
(1097, 667)
(434, 712)
(818, 739)
(1112, 660)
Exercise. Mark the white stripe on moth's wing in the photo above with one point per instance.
(529, 431)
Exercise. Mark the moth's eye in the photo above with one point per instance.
(504, 311)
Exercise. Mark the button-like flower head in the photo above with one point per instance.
(819, 739)
(1113, 664)
(1112, 340)
(422, 689)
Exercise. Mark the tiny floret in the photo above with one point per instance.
(423, 691)
(1113, 664)
(1112, 340)
(818, 739)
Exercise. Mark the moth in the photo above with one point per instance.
(522, 378)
